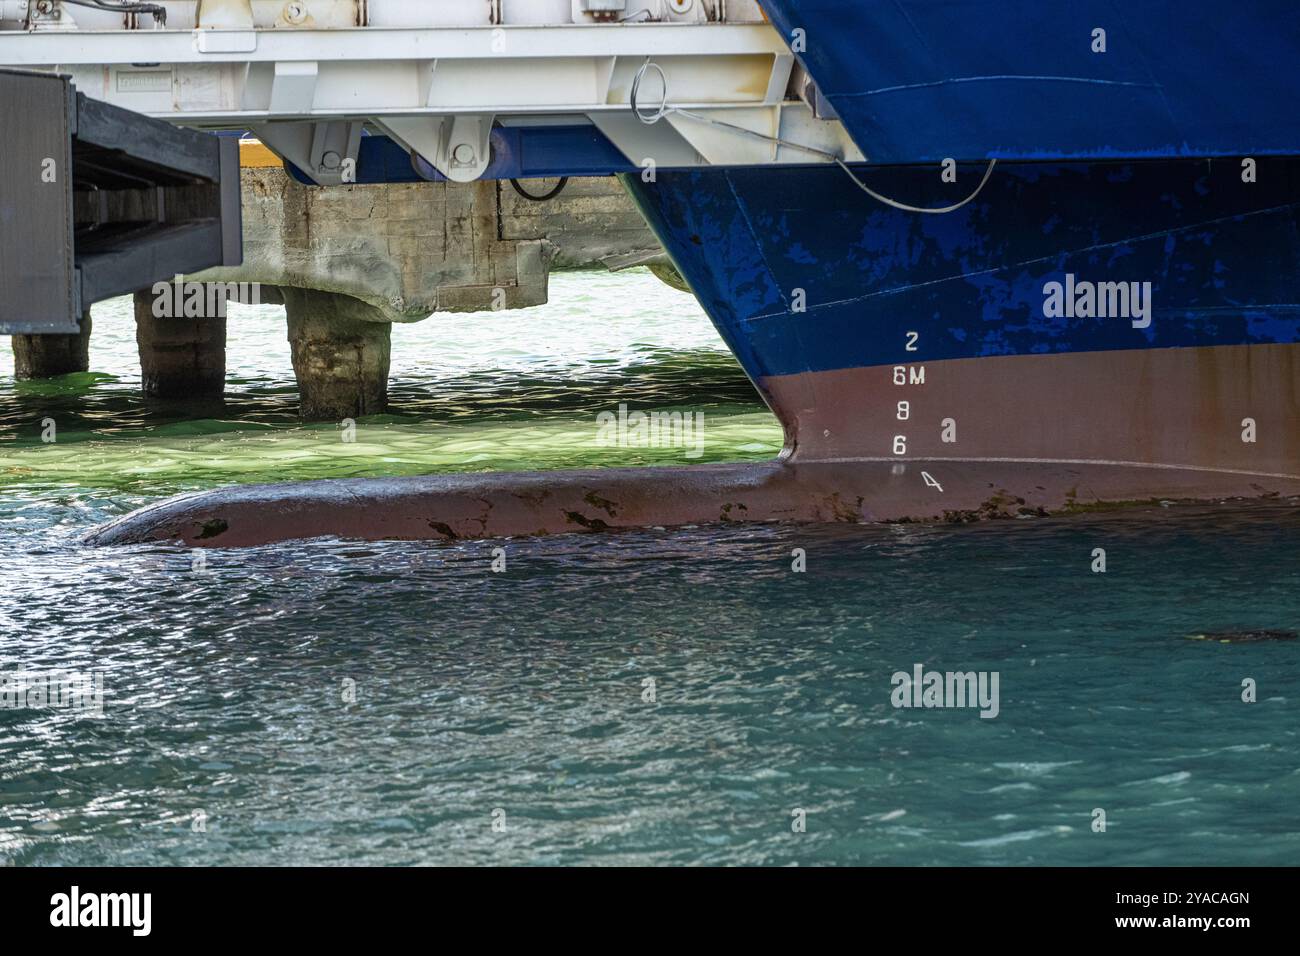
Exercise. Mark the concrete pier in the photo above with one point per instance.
(407, 249)
(180, 358)
(341, 353)
(45, 356)
(412, 249)
(348, 261)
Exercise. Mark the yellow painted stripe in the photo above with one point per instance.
(253, 155)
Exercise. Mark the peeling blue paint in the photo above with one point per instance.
(1222, 259)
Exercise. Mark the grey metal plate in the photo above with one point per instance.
(37, 293)
(132, 201)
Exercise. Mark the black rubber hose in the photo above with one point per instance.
(559, 188)
(125, 6)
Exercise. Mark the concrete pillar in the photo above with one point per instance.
(180, 358)
(341, 354)
(44, 356)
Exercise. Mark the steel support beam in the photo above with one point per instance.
(97, 201)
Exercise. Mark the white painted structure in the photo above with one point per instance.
(714, 82)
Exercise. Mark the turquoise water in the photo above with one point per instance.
(335, 702)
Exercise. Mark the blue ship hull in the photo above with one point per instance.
(917, 81)
(1124, 290)
(1221, 256)
(878, 334)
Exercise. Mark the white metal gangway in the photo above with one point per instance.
(711, 81)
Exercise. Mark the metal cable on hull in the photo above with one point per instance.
(651, 118)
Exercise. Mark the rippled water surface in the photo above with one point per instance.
(648, 697)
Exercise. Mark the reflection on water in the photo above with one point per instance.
(647, 697)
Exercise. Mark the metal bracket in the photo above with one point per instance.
(49, 16)
(327, 152)
(457, 146)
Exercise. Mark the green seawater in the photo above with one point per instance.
(490, 391)
(662, 696)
